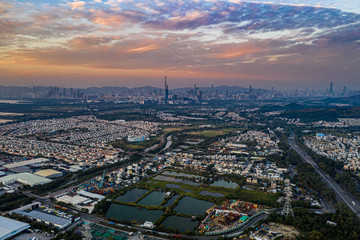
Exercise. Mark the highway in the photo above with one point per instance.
(341, 193)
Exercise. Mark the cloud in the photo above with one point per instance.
(77, 5)
(143, 48)
(195, 38)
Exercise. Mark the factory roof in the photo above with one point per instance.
(25, 178)
(90, 195)
(47, 173)
(10, 227)
(55, 220)
(24, 163)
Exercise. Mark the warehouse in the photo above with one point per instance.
(74, 200)
(48, 219)
(25, 163)
(49, 173)
(24, 178)
(93, 196)
(10, 227)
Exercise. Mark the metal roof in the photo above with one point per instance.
(58, 221)
(24, 163)
(25, 178)
(48, 173)
(9, 227)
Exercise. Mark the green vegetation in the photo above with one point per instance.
(137, 146)
(308, 178)
(68, 235)
(11, 201)
(213, 133)
(313, 226)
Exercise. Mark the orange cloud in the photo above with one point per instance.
(240, 51)
(107, 19)
(143, 49)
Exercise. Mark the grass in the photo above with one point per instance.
(213, 133)
(138, 146)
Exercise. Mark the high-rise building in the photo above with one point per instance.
(166, 88)
(331, 90)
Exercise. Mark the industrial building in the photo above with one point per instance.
(24, 178)
(26, 163)
(48, 219)
(49, 173)
(10, 227)
(90, 195)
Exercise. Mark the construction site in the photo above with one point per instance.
(102, 185)
(228, 215)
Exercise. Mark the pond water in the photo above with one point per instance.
(132, 195)
(173, 186)
(180, 223)
(129, 213)
(153, 199)
(225, 184)
(213, 194)
(192, 206)
(171, 201)
(176, 180)
(177, 174)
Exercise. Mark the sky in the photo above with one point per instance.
(283, 43)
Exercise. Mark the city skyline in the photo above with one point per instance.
(283, 44)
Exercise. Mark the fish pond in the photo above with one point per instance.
(129, 213)
(225, 184)
(180, 223)
(177, 174)
(171, 201)
(153, 199)
(191, 206)
(213, 194)
(175, 180)
(132, 195)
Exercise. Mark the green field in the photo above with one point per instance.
(213, 133)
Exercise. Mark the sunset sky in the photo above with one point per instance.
(285, 43)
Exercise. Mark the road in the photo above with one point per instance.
(341, 193)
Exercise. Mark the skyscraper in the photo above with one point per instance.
(331, 91)
(166, 88)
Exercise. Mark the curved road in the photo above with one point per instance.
(341, 193)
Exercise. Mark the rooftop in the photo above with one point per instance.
(9, 227)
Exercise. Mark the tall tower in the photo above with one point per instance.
(166, 88)
(331, 91)
(287, 210)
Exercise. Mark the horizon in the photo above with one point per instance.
(326, 88)
(285, 44)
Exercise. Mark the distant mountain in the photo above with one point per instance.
(353, 100)
(324, 114)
